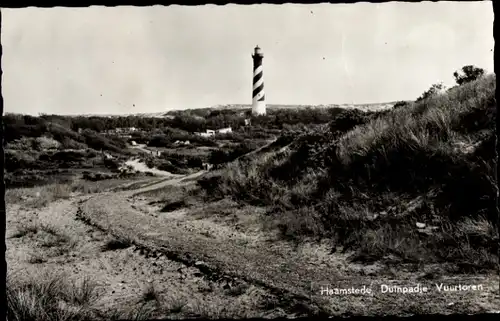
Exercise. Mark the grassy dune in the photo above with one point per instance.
(365, 182)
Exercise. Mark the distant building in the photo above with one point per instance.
(178, 142)
(208, 133)
(224, 130)
(211, 132)
(133, 143)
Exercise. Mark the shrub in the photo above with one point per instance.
(221, 156)
(116, 244)
(50, 298)
(160, 141)
(96, 141)
(112, 164)
(14, 131)
(434, 90)
(69, 143)
(15, 160)
(60, 133)
(400, 104)
(23, 144)
(68, 156)
(468, 74)
(347, 120)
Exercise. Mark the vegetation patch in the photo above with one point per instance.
(366, 179)
(150, 294)
(50, 298)
(116, 244)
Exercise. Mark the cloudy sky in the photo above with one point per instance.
(151, 59)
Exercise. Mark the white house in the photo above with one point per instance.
(211, 132)
(224, 130)
(207, 134)
(133, 143)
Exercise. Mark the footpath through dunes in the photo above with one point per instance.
(280, 269)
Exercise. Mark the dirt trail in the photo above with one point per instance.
(139, 166)
(174, 180)
(281, 270)
(258, 150)
(123, 275)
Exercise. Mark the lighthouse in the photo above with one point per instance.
(258, 97)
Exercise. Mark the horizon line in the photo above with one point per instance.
(333, 105)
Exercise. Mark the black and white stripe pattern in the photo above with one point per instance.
(258, 80)
(258, 96)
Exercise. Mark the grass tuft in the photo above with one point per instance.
(116, 244)
(49, 298)
(150, 294)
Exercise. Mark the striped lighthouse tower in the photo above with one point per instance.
(258, 97)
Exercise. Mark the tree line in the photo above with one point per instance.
(26, 125)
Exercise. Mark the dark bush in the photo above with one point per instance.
(218, 157)
(14, 161)
(68, 156)
(14, 131)
(400, 104)
(160, 141)
(98, 142)
(347, 120)
(468, 74)
(225, 155)
(111, 164)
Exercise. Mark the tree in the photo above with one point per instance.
(467, 74)
(399, 104)
(434, 90)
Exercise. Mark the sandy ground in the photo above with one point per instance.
(124, 275)
(141, 167)
(217, 265)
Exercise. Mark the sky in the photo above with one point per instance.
(118, 60)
